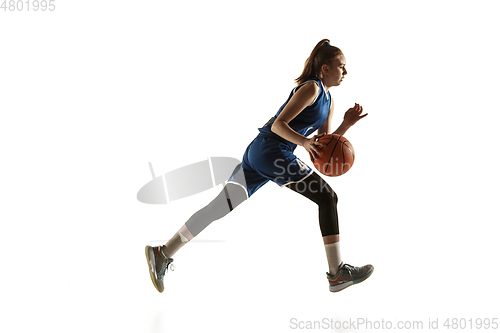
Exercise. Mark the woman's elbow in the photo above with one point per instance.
(275, 127)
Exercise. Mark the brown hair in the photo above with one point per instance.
(321, 54)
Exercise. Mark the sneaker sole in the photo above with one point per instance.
(151, 273)
(343, 286)
(348, 284)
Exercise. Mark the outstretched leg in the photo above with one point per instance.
(159, 258)
(241, 185)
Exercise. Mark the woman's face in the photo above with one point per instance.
(333, 75)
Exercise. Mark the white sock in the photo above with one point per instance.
(173, 245)
(333, 257)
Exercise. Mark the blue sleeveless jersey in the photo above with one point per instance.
(307, 121)
(271, 157)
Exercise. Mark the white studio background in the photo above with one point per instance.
(93, 91)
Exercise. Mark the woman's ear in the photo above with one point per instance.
(325, 69)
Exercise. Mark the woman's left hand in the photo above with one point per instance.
(354, 114)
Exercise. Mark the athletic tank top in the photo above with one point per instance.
(307, 121)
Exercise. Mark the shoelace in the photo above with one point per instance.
(164, 268)
(351, 269)
(171, 265)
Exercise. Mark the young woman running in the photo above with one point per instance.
(270, 157)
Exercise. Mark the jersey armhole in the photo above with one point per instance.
(317, 96)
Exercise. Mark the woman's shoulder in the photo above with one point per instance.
(311, 86)
(314, 81)
(309, 90)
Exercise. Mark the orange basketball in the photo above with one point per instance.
(336, 158)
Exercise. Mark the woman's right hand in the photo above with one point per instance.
(313, 147)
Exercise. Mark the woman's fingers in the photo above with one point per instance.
(319, 144)
(313, 152)
(316, 148)
(311, 156)
(355, 113)
(317, 136)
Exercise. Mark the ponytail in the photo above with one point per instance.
(323, 53)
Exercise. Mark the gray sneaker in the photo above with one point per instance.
(158, 265)
(348, 275)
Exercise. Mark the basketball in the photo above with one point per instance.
(336, 158)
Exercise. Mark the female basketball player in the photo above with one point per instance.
(270, 157)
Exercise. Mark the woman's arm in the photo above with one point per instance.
(327, 125)
(351, 117)
(304, 97)
(299, 101)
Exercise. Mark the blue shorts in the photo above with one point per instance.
(268, 159)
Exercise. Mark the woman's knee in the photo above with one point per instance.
(231, 196)
(328, 195)
(316, 189)
(235, 194)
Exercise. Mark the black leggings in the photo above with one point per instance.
(317, 190)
